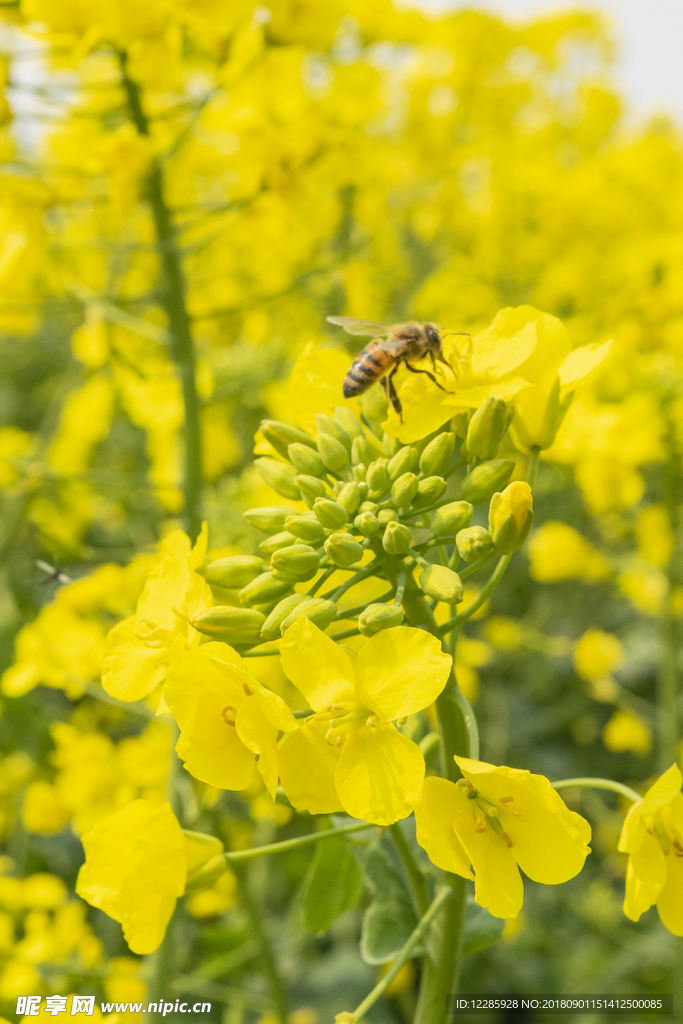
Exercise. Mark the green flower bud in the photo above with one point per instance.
(311, 488)
(362, 490)
(487, 428)
(332, 452)
(359, 472)
(305, 459)
(330, 514)
(377, 478)
(343, 549)
(510, 517)
(337, 486)
(404, 489)
(279, 476)
(361, 451)
(459, 424)
(366, 523)
(347, 421)
(298, 562)
(321, 613)
(484, 480)
(429, 490)
(226, 595)
(404, 461)
(368, 506)
(397, 539)
(306, 528)
(349, 497)
(281, 435)
(235, 571)
(277, 541)
(205, 860)
(326, 425)
(474, 543)
(437, 454)
(231, 625)
(270, 630)
(387, 515)
(451, 518)
(269, 518)
(441, 583)
(379, 616)
(264, 588)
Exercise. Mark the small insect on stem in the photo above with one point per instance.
(380, 360)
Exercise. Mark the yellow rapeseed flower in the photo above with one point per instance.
(596, 654)
(228, 720)
(135, 869)
(559, 552)
(349, 755)
(499, 820)
(626, 731)
(139, 650)
(652, 835)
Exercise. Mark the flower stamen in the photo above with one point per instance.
(225, 711)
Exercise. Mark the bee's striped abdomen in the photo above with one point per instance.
(366, 368)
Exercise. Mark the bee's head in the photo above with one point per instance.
(433, 337)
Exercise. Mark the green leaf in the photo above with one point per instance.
(333, 885)
(390, 918)
(480, 929)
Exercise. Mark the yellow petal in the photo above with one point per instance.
(307, 764)
(670, 902)
(198, 553)
(166, 586)
(275, 710)
(434, 816)
(656, 799)
(380, 774)
(144, 918)
(581, 362)
(645, 877)
(316, 665)
(211, 749)
(130, 669)
(205, 668)
(400, 671)
(260, 736)
(497, 882)
(507, 343)
(553, 344)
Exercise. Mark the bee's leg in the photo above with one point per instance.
(428, 374)
(390, 392)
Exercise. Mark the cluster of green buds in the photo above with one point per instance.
(369, 505)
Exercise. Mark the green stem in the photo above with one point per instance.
(404, 953)
(400, 586)
(481, 597)
(319, 582)
(415, 878)
(174, 302)
(361, 574)
(268, 964)
(270, 652)
(440, 974)
(238, 856)
(345, 634)
(615, 787)
(532, 465)
(136, 707)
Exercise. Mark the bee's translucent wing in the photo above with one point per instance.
(354, 326)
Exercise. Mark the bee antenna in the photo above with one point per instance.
(457, 334)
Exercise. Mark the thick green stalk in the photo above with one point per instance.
(174, 302)
(415, 879)
(162, 970)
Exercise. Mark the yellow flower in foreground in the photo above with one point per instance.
(228, 720)
(349, 755)
(524, 356)
(138, 651)
(135, 869)
(499, 820)
(652, 836)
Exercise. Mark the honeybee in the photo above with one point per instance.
(402, 342)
